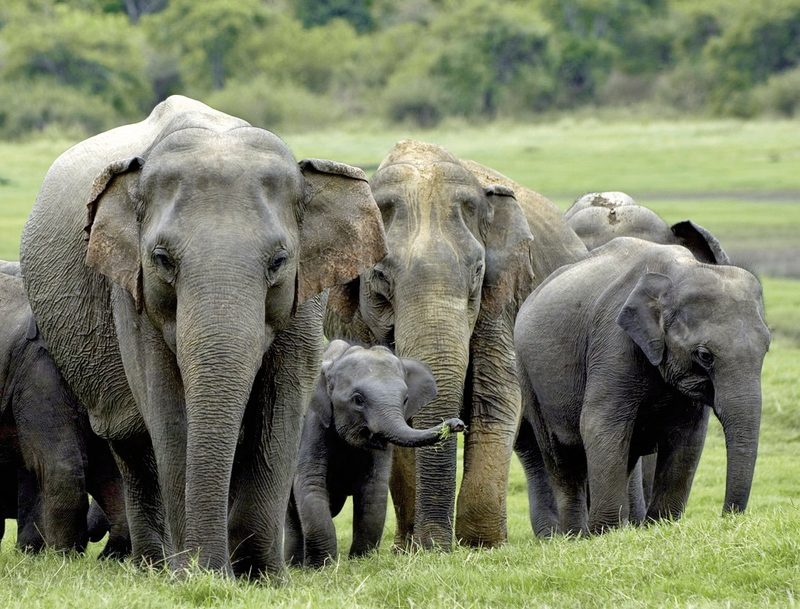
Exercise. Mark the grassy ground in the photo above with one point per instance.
(735, 179)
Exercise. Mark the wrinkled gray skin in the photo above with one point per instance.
(45, 438)
(597, 218)
(461, 259)
(189, 323)
(619, 356)
(363, 399)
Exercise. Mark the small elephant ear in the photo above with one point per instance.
(112, 226)
(509, 275)
(341, 233)
(640, 316)
(334, 351)
(421, 386)
(704, 245)
(321, 404)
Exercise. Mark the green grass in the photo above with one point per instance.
(737, 179)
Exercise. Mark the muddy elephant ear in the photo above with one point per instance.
(641, 314)
(112, 226)
(341, 232)
(704, 245)
(421, 386)
(509, 276)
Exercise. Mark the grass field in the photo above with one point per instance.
(739, 180)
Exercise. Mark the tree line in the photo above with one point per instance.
(86, 65)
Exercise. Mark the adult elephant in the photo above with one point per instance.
(182, 308)
(599, 217)
(461, 260)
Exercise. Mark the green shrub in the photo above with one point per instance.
(41, 105)
(780, 95)
(276, 106)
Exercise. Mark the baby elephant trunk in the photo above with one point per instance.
(394, 428)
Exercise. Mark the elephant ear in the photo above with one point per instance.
(509, 275)
(704, 245)
(641, 315)
(112, 226)
(341, 232)
(421, 386)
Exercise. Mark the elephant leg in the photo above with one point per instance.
(143, 505)
(29, 515)
(53, 448)
(105, 485)
(541, 498)
(607, 448)
(402, 485)
(293, 542)
(648, 476)
(369, 508)
(262, 480)
(678, 456)
(637, 508)
(495, 407)
(159, 395)
(570, 489)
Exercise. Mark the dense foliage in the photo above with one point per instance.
(85, 65)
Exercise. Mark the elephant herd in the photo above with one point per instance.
(181, 277)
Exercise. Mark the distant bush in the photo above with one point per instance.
(276, 106)
(780, 95)
(42, 105)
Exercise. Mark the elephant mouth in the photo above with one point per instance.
(377, 442)
(698, 389)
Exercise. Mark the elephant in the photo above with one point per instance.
(51, 457)
(359, 410)
(597, 218)
(619, 355)
(176, 267)
(461, 260)
(607, 200)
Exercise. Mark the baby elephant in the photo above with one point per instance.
(362, 402)
(619, 356)
(49, 457)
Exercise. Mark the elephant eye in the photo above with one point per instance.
(165, 264)
(278, 260)
(380, 282)
(477, 278)
(359, 400)
(704, 357)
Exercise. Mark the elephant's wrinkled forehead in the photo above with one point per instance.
(241, 151)
(361, 364)
(414, 152)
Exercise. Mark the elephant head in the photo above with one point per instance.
(217, 236)
(372, 393)
(703, 328)
(606, 200)
(459, 259)
(597, 218)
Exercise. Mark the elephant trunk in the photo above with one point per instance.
(220, 347)
(394, 428)
(740, 415)
(436, 331)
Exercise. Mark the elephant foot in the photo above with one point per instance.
(116, 548)
(431, 537)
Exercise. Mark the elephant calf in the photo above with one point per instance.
(362, 402)
(49, 457)
(619, 355)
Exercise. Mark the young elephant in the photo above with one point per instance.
(50, 457)
(619, 354)
(362, 402)
(599, 217)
